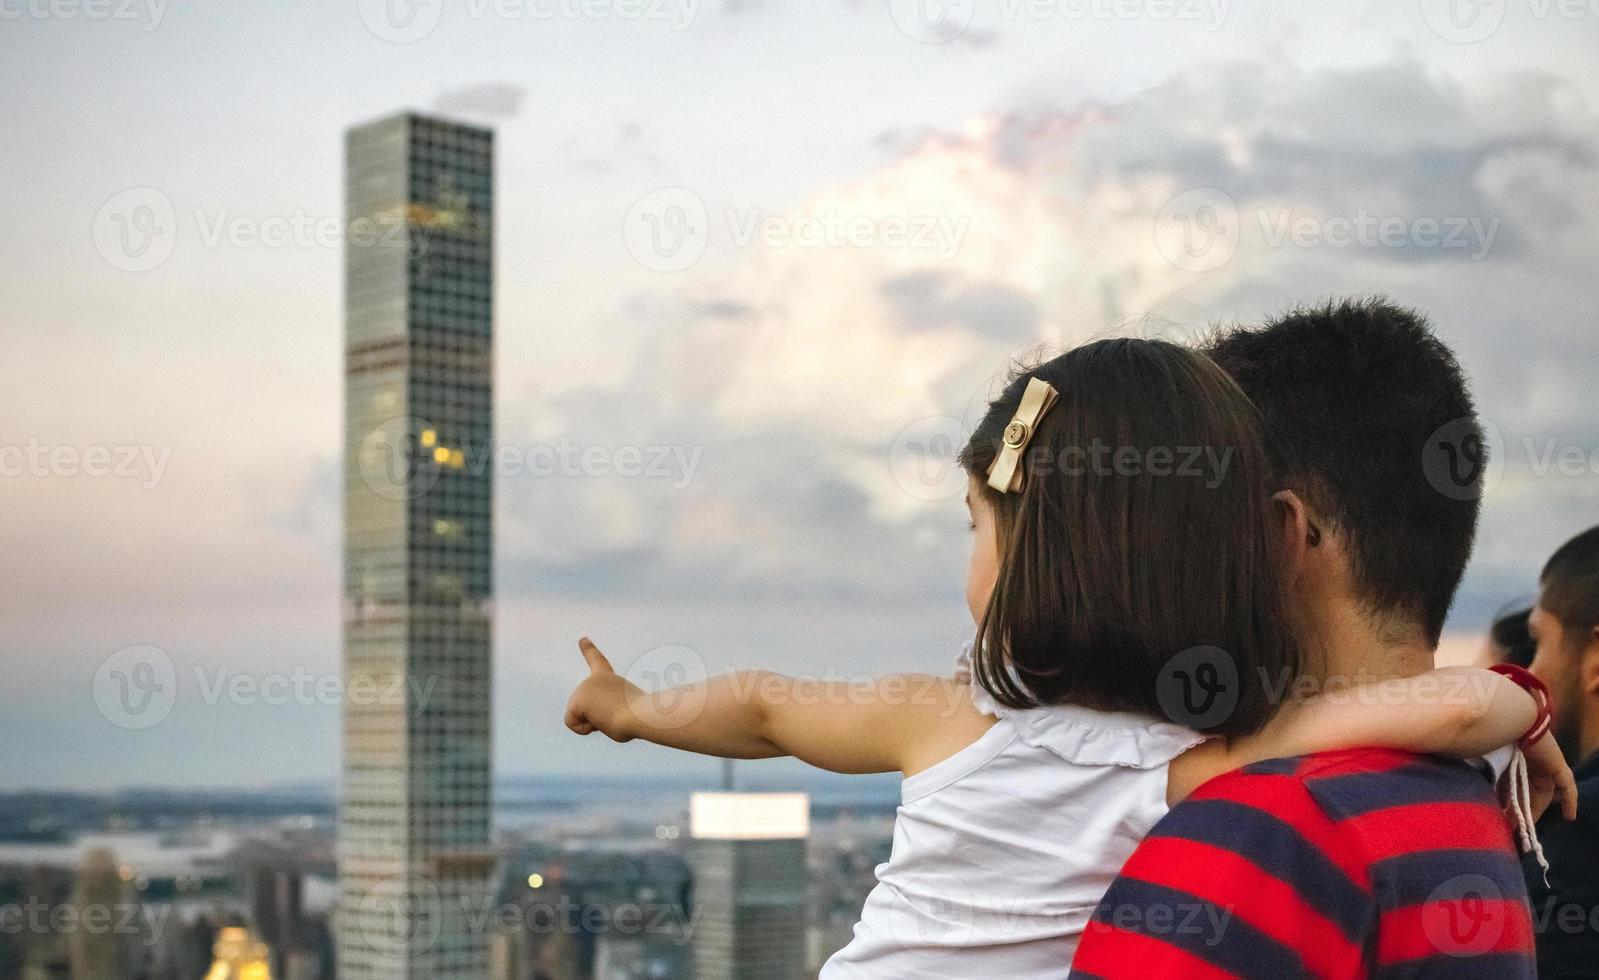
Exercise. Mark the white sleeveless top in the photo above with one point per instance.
(1002, 851)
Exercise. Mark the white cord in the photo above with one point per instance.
(1521, 803)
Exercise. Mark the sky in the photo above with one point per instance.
(759, 266)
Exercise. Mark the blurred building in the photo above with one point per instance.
(239, 955)
(750, 885)
(844, 856)
(136, 905)
(275, 876)
(99, 951)
(600, 910)
(414, 806)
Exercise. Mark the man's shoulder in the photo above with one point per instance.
(1422, 832)
(1387, 803)
(1330, 864)
(1350, 783)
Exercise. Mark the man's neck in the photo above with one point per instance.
(1353, 649)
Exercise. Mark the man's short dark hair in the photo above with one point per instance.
(1354, 393)
(1571, 583)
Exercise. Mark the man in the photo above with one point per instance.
(1366, 862)
(1565, 626)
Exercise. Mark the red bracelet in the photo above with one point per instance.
(1529, 682)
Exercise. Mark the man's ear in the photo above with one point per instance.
(1294, 527)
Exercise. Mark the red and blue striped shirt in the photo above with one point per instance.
(1362, 863)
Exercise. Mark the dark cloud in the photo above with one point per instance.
(726, 310)
(490, 100)
(933, 299)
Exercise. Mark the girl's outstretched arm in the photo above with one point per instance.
(899, 723)
(1462, 712)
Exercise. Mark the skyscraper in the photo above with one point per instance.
(750, 879)
(100, 890)
(414, 806)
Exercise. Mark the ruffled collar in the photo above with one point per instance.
(1085, 736)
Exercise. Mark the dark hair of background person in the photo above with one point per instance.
(1570, 581)
(1511, 639)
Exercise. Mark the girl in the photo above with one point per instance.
(1126, 589)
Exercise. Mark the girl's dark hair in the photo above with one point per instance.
(1142, 531)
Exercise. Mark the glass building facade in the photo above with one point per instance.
(750, 885)
(418, 481)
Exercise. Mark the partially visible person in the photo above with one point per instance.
(1509, 639)
(1565, 627)
(1358, 863)
(1030, 777)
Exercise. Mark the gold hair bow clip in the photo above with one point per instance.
(1005, 475)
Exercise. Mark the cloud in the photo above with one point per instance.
(930, 299)
(489, 100)
(629, 150)
(796, 371)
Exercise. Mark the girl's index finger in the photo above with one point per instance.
(596, 660)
